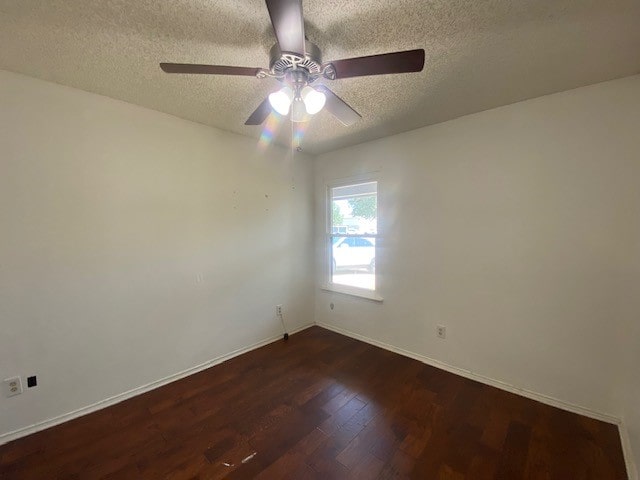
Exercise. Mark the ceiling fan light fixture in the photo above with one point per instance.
(313, 100)
(281, 100)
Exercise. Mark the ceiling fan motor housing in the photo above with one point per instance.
(282, 63)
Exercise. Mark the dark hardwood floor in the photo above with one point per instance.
(321, 406)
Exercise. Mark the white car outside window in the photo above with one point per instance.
(354, 252)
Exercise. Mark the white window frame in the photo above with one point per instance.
(328, 284)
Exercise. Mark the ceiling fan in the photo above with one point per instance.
(297, 64)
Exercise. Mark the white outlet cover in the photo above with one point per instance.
(12, 386)
(441, 331)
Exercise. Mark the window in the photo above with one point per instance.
(352, 231)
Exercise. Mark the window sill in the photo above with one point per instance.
(352, 291)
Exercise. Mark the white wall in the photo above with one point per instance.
(631, 405)
(108, 213)
(514, 228)
(631, 408)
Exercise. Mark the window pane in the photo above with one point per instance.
(353, 261)
(354, 209)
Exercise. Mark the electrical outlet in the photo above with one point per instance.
(32, 381)
(279, 310)
(12, 386)
(441, 331)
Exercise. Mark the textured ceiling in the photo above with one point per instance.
(480, 54)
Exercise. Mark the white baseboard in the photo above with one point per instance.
(554, 402)
(632, 471)
(22, 432)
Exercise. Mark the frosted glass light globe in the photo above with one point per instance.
(313, 100)
(281, 100)
(298, 111)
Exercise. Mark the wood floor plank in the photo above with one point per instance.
(515, 452)
(321, 406)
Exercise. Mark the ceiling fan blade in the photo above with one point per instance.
(338, 107)
(385, 63)
(260, 114)
(208, 69)
(288, 24)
